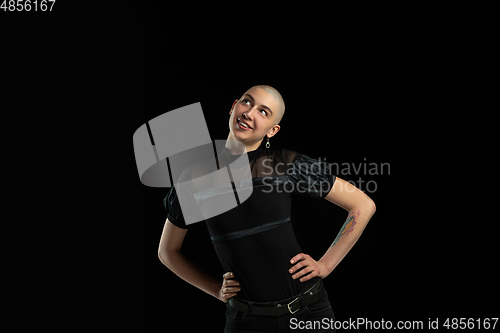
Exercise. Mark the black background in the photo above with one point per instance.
(411, 87)
(382, 91)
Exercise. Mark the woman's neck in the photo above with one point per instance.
(237, 147)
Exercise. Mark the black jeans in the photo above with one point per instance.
(317, 317)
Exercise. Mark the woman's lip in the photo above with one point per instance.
(245, 128)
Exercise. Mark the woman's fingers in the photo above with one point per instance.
(229, 280)
(298, 257)
(305, 267)
(226, 297)
(301, 260)
(230, 287)
(305, 274)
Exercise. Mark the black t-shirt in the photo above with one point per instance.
(255, 240)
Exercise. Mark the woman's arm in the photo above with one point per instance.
(169, 252)
(360, 209)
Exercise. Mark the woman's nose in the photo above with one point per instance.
(249, 112)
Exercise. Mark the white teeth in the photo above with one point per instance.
(243, 124)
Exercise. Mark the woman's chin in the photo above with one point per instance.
(241, 136)
(246, 140)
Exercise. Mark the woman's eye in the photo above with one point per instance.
(264, 112)
(246, 101)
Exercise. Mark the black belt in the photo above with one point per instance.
(290, 305)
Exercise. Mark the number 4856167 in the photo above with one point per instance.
(470, 323)
(27, 5)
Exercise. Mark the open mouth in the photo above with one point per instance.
(243, 125)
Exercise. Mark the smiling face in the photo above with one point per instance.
(255, 115)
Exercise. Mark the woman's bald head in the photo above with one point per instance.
(277, 96)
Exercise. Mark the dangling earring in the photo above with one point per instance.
(267, 143)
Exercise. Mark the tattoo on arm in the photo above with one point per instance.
(347, 227)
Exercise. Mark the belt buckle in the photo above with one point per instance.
(289, 308)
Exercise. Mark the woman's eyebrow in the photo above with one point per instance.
(249, 96)
(262, 106)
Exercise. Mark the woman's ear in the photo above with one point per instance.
(272, 132)
(232, 107)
